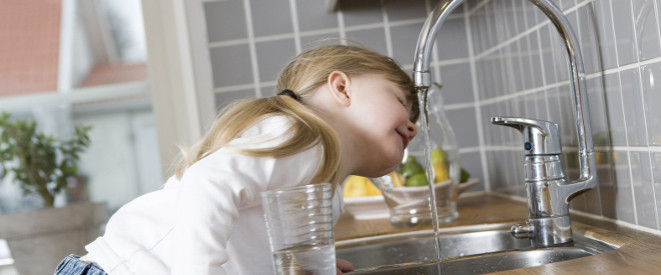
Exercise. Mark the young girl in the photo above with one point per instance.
(340, 110)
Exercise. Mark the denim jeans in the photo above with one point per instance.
(72, 265)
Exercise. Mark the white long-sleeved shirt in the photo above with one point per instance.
(211, 221)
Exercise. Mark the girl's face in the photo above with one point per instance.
(380, 114)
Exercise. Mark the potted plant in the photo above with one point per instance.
(44, 165)
(41, 164)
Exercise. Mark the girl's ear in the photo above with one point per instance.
(338, 85)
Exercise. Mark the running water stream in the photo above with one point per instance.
(424, 129)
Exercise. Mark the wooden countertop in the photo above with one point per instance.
(639, 252)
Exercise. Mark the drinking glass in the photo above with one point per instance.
(300, 227)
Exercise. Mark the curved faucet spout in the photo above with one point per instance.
(421, 74)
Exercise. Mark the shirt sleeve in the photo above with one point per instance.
(216, 188)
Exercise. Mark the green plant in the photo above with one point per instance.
(41, 164)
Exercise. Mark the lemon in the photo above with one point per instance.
(397, 179)
(354, 186)
(440, 172)
(438, 155)
(357, 186)
(371, 189)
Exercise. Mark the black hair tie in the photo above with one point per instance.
(289, 93)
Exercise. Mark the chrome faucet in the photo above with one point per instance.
(549, 191)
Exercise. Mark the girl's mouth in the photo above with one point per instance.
(405, 138)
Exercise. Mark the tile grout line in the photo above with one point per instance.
(252, 47)
(386, 29)
(293, 9)
(341, 28)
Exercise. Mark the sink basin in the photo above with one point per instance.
(464, 250)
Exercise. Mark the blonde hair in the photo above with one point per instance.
(303, 75)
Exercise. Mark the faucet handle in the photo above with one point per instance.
(540, 137)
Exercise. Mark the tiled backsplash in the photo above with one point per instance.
(493, 57)
(521, 69)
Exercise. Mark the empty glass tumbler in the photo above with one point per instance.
(299, 223)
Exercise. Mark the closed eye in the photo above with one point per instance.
(403, 102)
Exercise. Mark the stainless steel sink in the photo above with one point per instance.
(464, 250)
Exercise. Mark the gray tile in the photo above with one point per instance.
(598, 115)
(313, 41)
(643, 188)
(528, 73)
(593, 201)
(272, 56)
(374, 39)
(568, 124)
(634, 112)
(464, 125)
(268, 90)
(517, 106)
(457, 85)
(495, 72)
(480, 78)
(508, 16)
(559, 53)
(490, 34)
(478, 30)
(606, 38)
(624, 201)
(547, 55)
(361, 12)
(225, 20)
(540, 105)
(535, 60)
(499, 25)
(398, 10)
(451, 40)
(231, 65)
(614, 109)
(555, 106)
(588, 41)
(270, 17)
(533, 13)
(312, 15)
(513, 72)
(566, 4)
(404, 39)
(472, 163)
(471, 4)
(624, 32)
(223, 99)
(607, 190)
(578, 203)
(652, 93)
(646, 29)
(524, 10)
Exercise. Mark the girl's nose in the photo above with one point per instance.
(413, 130)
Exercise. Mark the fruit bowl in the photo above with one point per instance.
(375, 207)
